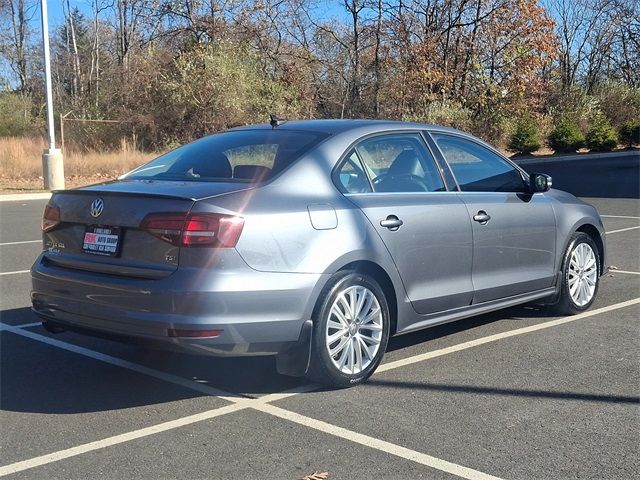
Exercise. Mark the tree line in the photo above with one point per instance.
(173, 70)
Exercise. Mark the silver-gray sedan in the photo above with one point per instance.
(314, 241)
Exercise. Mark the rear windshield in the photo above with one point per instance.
(238, 156)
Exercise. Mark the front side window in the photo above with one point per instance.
(476, 168)
(237, 156)
(400, 163)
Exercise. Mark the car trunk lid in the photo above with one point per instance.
(99, 227)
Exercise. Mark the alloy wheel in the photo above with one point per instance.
(583, 274)
(354, 329)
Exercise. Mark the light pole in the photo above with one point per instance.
(52, 163)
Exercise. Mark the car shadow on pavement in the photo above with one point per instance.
(39, 378)
(517, 314)
(510, 392)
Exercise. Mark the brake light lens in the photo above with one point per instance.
(165, 226)
(50, 218)
(211, 230)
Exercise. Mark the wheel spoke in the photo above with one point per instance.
(342, 301)
(573, 278)
(352, 356)
(573, 265)
(373, 314)
(573, 288)
(591, 262)
(336, 325)
(340, 316)
(371, 326)
(333, 337)
(358, 351)
(369, 338)
(340, 347)
(344, 356)
(364, 347)
(367, 306)
(362, 297)
(585, 292)
(352, 302)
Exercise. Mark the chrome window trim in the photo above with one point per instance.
(524, 175)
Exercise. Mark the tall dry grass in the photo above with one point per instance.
(21, 160)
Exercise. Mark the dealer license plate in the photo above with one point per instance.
(102, 241)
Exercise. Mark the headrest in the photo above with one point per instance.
(217, 165)
(251, 172)
(406, 163)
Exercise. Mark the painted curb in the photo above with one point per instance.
(17, 197)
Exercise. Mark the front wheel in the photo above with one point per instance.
(351, 330)
(580, 275)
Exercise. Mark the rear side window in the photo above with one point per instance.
(478, 169)
(352, 176)
(400, 163)
(238, 156)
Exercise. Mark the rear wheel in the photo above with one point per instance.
(351, 330)
(580, 275)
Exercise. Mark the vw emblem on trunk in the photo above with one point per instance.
(96, 207)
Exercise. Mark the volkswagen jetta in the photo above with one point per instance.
(314, 241)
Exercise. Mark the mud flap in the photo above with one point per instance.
(52, 327)
(294, 361)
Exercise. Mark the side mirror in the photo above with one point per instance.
(539, 182)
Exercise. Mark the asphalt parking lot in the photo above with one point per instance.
(512, 394)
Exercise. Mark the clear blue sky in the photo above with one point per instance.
(328, 9)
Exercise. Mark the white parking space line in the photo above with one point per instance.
(375, 443)
(117, 439)
(15, 273)
(499, 336)
(118, 362)
(27, 325)
(622, 230)
(618, 216)
(261, 404)
(19, 243)
(623, 271)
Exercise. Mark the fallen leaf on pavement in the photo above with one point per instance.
(317, 476)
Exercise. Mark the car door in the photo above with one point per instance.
(514, 232)
(394, 179)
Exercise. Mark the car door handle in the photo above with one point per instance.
(392, 222)
(482, 217)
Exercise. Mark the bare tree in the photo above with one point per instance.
(15, 18)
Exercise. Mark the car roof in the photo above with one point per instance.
(336, 126)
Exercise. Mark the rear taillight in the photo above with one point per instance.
(195, 229)
(50, 218)
(165, 226)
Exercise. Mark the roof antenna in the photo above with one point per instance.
(276, 121)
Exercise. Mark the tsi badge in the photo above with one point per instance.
(96, 207)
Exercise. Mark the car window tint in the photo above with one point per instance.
(352, 176)
(478, 169)
(400, 163)
(238, 156)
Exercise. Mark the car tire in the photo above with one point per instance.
(348, 347)
(580, 275)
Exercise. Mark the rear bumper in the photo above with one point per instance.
(257, 313)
